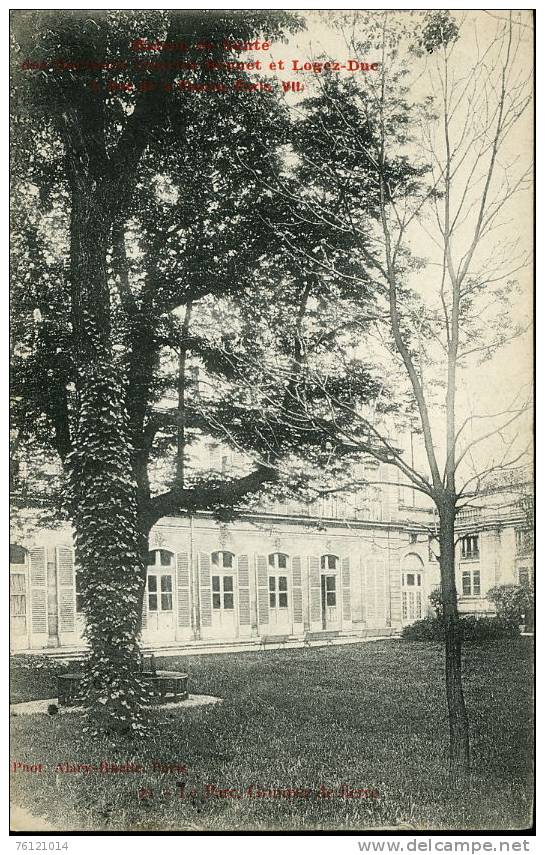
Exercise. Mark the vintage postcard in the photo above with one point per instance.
(272, 561)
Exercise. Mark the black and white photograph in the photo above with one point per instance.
(272, 422)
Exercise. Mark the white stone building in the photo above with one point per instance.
(362, 566)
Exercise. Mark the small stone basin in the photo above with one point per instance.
(167, 686)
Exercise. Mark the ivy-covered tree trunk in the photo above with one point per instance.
(109, 551)
(104, 518)
(458, 720)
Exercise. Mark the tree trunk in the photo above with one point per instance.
(458, 721)
(103, 489)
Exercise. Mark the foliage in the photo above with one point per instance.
(436, 602)
(25, 663)
(479, 629)
(439, 31)
(119, 222)
(427, 629)
(107, 549)
(297, 227)
(513, 603)
(472, 629)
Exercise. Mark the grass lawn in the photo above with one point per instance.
(369, 716)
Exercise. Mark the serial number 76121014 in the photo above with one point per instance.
(41, 845)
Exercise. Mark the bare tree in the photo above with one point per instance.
(436, 319)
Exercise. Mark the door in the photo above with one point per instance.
(279, 597)
(412, 593)
(159, 596)
(224, 611)
(331, 613)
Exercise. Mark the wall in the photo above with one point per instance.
(375, 562)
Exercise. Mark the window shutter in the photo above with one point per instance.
(262, 590)
(66, 588)
(182, 577)
(375, 595)
(370, 597)
(395, 594)
(315, 593)
(345, 582)
(145, 605)
(244, 590)
(381, 592)
(204, 588)
(297, 590)
(38, 590)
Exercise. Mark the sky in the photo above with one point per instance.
(484, 387)
(488, 387)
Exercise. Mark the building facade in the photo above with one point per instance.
(287, 573)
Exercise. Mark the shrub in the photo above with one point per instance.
(513, 603)
(28, 662)
(428, 629)
(487, 628)
(473, 629)
(436, 602)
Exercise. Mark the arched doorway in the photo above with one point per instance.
(412, 592)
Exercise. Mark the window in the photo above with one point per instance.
(166, 593)
(17, 554)
(525, 577)
(160, 558)
(278, 560)
(159, 589)
(524, 541)
(278, 581)
(411, 605)
(222, 584)
(470, 546)
(471, 583)
(17, 587)
(331, 591)
(222, 592)
(152, 593)
(329, 562)
(223, 559)
(278, 592)
(413, 538)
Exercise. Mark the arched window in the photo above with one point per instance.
(223, 559)
(278, 560)
(223, 589)
(329, 562)
(160, 558)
